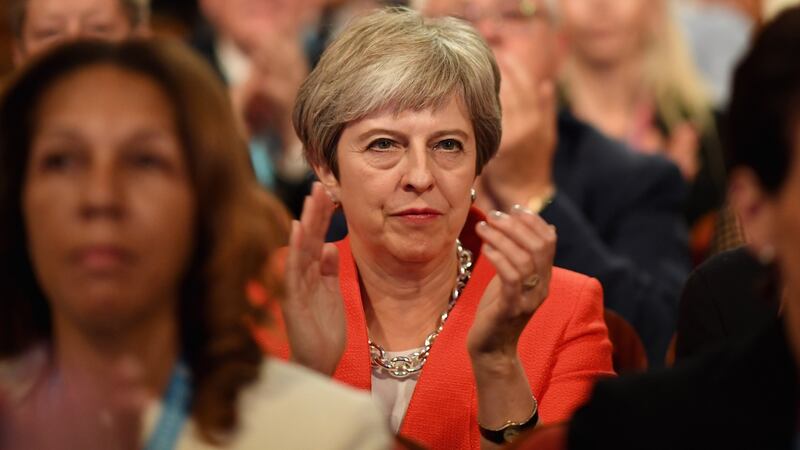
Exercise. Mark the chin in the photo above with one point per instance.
(419, 250)
(104, 308)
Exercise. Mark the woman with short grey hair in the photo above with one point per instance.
(456, 321)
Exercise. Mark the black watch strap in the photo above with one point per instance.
(509, 431)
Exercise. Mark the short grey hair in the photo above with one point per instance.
(396, 58)
(137, 12)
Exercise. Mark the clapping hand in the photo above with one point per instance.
(521, 246)
(313, 308)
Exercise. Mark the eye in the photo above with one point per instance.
(57, 161)
(381, 144)
(449, 145)
(42, 34)
(101, 29)
(145, 159)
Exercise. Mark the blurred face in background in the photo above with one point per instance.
(522, 36)
(49, 22)
(520, 32)
(780, 224)
(248, 21)
(108, 205)
(607, 31)
(771, 220)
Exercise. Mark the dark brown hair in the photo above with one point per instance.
(764, 114)
(237, 224)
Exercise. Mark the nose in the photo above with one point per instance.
(418, 177)
(101, 194)
(73, 30)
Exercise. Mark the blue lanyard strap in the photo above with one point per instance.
(175, 410)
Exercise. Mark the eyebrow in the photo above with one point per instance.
(398, 135)
(93, 13)
(458, 132)
(142, 134)
(149, 134)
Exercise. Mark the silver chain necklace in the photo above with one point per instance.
(406, 365)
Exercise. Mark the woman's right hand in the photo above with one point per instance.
(313, 308)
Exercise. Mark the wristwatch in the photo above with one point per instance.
(511, 430)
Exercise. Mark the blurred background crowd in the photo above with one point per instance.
(654, 78)
(615, 128)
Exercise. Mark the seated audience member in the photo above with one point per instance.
(258, 50)
(263, 51)
(629, 73)
(456, 322)
(727, 297)
(37, 25)
(131, 223)
(618, 213)
(745, 395)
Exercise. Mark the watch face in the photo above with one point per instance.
(510, 433)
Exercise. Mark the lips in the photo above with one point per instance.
(102, 258)
(418, 212)
(418, 215)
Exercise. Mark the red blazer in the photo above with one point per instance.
(564, 348)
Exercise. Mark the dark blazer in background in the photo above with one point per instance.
(744, 396)
(725, 298)
(619, 216)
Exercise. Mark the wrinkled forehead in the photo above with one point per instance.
(457, 7)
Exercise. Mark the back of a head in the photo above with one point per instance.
(764, 115)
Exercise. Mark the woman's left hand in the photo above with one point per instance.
(521, 246)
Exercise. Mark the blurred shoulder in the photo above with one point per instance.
(289, 401)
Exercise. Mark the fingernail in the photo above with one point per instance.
(497, 214)
(482, 224)
(521, 209)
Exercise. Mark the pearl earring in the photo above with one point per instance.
(333, 198)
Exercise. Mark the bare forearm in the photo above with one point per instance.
(504, 393)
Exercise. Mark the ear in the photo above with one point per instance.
(329, 181)
(755, 210)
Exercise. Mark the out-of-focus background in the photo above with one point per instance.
(671, 106)
(173, 17)
(5, 41)
(181, 17)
